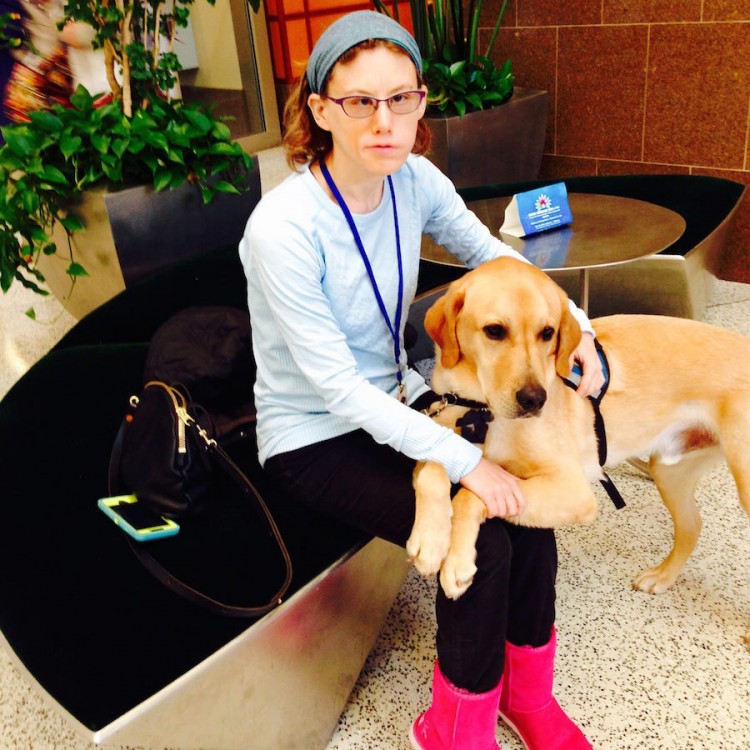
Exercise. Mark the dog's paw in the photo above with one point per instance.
(457, 574)
(428, 545)
(653, 581)
(546, 515)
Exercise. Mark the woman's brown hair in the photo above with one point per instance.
(304, 141)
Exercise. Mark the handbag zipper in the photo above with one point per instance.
(183, 418)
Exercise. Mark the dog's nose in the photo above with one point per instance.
(531, 398)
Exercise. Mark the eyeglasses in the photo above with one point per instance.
(360, 107)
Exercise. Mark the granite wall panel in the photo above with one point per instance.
(640, 86)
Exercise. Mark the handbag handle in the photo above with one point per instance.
(179, 587)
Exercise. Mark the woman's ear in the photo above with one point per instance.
(423, 106)
(317, 110)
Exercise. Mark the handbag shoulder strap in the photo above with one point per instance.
(197, 597)
(223, 461)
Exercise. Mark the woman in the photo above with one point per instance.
(331, 257)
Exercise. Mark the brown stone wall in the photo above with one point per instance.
(639, 86)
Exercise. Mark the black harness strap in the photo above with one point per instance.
(601, 433)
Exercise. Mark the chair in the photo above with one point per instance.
(123, 658)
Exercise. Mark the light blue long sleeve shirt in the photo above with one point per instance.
(324, 355)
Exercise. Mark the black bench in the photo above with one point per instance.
(128, 661)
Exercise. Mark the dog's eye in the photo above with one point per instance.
(547, 333)
(496, 332)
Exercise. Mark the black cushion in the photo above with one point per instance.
(96, 630)
(213, 278)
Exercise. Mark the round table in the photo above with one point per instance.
(607, 230)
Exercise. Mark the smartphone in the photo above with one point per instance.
(136, 519)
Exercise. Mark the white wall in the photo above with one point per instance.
(218, 65)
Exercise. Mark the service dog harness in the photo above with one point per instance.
(474, 424)
(601, 434)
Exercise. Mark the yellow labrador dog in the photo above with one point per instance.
(504, 336)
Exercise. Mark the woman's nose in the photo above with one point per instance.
(383, 117)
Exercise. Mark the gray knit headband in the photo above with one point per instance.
(350, 30)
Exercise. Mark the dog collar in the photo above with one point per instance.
(474, 423)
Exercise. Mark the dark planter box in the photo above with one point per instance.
(504, 144)
(133, 232)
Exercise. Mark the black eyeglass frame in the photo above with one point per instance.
(420, 93)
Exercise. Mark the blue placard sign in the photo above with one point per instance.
(537, 210)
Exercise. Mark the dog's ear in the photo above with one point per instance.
(568, 338)
(440, 323)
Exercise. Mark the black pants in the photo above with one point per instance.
(369, 486)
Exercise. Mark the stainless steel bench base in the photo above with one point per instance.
(283, 683)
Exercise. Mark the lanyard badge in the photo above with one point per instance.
(394, 328)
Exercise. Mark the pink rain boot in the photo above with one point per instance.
(526, 702)
(457, 719)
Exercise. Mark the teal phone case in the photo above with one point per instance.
(108, 505)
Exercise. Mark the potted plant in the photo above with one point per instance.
(484, 130)
(137, 134)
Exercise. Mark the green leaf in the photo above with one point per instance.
(142, 123)
(19, 141)
(152, 163)
(198, 120)
(220, 166)
(162, 180)
(72, 223)
(46, 121)
(100, 142)
(222, 186)
(175, 156)
(221, 131)
(178, 137)
(30, 313)
(92, 176)
(157, 139)
(136, 145)
(30, 201)
(69, 145)
(76, 269)
(226, 149)
(81, 99)
(113, 172)
(53, 174)
(10, 161)
(37, 234)
(178, 178)
(119, 146)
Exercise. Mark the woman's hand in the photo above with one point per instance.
(592, 378)
(497, 488)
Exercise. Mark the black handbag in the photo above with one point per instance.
(161, 453)
(165, 453)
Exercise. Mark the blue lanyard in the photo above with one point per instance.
(395, 330)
